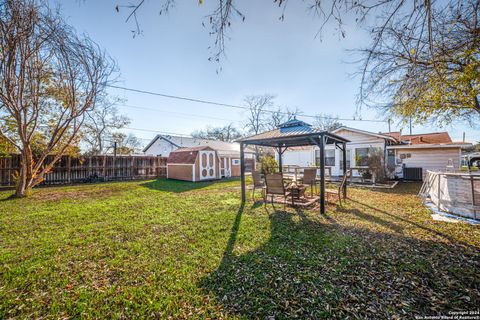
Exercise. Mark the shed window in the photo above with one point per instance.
(236, 162)
(210, 160)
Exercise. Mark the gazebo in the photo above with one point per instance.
(295, 133)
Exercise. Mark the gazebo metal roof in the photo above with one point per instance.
(291, 134)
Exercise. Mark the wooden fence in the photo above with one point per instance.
(90, 169)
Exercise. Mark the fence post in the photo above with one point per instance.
(104, 167)
(132, 168)
(69, 169)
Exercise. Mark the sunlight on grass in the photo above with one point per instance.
(168, 248)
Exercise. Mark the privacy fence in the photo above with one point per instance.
(90, 169)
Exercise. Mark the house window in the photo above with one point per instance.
(348, 160)
(329, 157)
(361, 156)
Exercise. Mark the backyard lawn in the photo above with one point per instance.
(159, 249)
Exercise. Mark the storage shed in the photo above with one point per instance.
(193, 164)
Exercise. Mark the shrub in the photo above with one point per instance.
(375, 164)
(268, 164)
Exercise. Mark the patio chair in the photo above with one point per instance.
(338, 192)
(258, 183)
(274, 186)
(309, 178)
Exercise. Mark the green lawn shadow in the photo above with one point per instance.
(311, 269)
(179, 186)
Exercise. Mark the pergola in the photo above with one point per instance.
(295, 133)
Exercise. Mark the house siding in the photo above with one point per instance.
(430, 159)
(306, 158)
(302, 158)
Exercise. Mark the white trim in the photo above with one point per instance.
(427, 146)
(207, 166)
(180, 164)
(193, 170)
(364, 132)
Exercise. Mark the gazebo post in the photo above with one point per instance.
(321, 145)
(344, 169)
(280, 164)
(242, 171)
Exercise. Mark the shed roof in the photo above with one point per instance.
(186, 155)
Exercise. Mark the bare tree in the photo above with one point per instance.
(277, 118)
(100, 125)
(425, 64)
(257, 119)
(225, 13)
(127, 144)
(423, 51)
(258, 106)
(327, 122)
(49, 78)
(226, 133)
(281, 115)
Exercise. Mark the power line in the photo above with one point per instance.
(161, 132)
(169, 96)
(176, 97)
(183, 114)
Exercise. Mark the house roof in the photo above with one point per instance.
(433, 139)
(424, 138)
(186, 155)
(183, 141)
(378, 135)
(301, 148)
(431, 145)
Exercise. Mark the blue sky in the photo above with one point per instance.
(264, 55)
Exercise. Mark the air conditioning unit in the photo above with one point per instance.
(413, 174)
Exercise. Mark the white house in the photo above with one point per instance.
(228, 152)
(431, 151)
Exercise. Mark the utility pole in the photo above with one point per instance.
(389, 121)
(410, 121)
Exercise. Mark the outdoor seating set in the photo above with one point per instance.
(283, 189)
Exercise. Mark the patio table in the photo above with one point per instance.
(297, 192)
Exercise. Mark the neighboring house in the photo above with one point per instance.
(430, 151)
(228, 152)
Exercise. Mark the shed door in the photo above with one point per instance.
(207, 165)
(227, 167)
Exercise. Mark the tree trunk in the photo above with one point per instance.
(25, 178)
(22, 188)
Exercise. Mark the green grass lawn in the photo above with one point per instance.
(159, 249)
